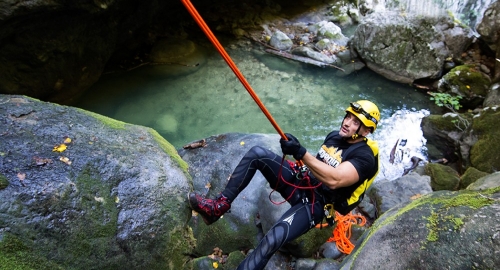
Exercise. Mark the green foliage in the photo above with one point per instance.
(446, 100)
(452, 103)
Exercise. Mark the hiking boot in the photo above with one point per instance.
(210, 210)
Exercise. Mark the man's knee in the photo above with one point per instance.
(258, 152)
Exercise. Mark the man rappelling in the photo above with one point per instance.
(335, 178)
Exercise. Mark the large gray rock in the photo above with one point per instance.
(442, 230)
(399, 192)
(489, 28)
(404, 47)
(113, 199)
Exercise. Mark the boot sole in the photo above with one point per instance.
(193, 204)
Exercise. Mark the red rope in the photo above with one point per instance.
(308, 187)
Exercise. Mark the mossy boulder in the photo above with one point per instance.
(88, 192)
(486, 182)
(448, 136)
(470, 176)
(428, 232)
(442, 177)
(485, 153)
(468, 83)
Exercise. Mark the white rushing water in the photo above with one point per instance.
(402, 130)
(469, 12)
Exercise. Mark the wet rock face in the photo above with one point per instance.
(489, 28)
(89, 192)
(405, 48)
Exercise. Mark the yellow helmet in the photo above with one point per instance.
(366, 111)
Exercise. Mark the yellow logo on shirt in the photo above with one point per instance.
(330, 155)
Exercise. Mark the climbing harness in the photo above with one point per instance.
(302, 174)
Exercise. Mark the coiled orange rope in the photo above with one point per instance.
(342, 231)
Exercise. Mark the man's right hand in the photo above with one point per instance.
(292, 147)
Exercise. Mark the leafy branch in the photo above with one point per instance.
(452, 103)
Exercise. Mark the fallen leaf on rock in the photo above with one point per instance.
(217, 252)
(215, 265)
(242, 143)
(416, 196)
(21, 176)
(197, 144)
(67, 140)
(42, 161)
(59, 148)
(208, 185)
(65, 160)
(194, 213)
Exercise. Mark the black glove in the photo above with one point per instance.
(292, 147)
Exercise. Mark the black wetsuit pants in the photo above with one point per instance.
(299, 219)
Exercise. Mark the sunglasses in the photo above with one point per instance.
(357, 108)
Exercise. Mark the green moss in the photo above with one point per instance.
(469, 81)
(442, 177)
(437, 222)
(91, 233)
(442, 123)
(177, 245)
(170, 150)
(458, 222)
(109, 122)
(87, 238)
(491, 191)
(15, 255)
(484, 153)
(3, 181)
(433, 226)
(233, 260)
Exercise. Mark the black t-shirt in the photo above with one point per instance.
(335, 150)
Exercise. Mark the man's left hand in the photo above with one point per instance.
(292, 147)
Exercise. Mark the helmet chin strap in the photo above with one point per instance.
(356, 135)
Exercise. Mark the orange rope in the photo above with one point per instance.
(199, 20)
(342, 231)
(231, 64)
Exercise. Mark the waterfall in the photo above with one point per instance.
(469, 12)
